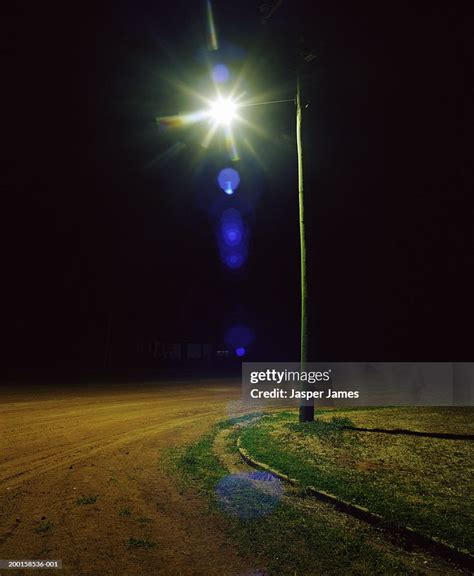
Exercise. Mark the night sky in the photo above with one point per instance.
(103, 232)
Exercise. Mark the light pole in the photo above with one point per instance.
(306, 412)
(222, 112)
(308, 55)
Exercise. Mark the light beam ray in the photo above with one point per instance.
(248, 104)
(180, 120)
(166, 155)
(211, 28)
(250, 147)
(209, 136)
(255, 128)
(231, 144)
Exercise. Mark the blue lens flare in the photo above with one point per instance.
(235, 258)
(249, 495)
(228, 180)
(220, 73)
(239, 336)
(232, 239)
(240, 351)
(232, 235)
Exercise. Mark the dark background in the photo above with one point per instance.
(100, 236)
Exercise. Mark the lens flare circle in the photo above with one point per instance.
(249, 495)
(239, 336)
(234, 259)
(220, 73)
(232, 238)
(228, 180)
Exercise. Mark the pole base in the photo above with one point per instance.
(306, 414)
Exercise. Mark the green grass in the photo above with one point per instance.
(444, 419)
(45, 526)
(421, 482)
(124, 513)
(292, 539)
(138, 543)
(86, 500)
(196, 463)
(327, 429)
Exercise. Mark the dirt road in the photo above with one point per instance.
(60, 445)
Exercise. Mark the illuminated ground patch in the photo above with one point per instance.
(249, 495)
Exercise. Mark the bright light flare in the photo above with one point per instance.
(223, 111)
(222, 114)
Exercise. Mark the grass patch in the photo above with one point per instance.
(124, 513)
(86, 500)
(442, 419)
(327, 429)
(291, 538)
(139, 543)
(420, 482)
(144, 520)
(44, 526)
(196, 465)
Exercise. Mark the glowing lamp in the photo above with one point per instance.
(222, 111)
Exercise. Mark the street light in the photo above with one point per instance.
(223, 111)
